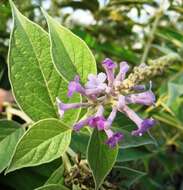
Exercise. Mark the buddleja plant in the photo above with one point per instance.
(53, 76)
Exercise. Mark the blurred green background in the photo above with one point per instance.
(134, 31)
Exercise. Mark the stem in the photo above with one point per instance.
(11, 111)
(151, 36)
(72, 154)
(66, 162)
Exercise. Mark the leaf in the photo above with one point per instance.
(171, 35)
(33, 177)
(163, 49)
(79, 142)
(34, 80)
(57, 176)
(52, 187)
(131, 176)
(45, 141)
(174, 91)
(10, 133)
(29, 180)
(100, 157)
(70, 54)
(130, 154)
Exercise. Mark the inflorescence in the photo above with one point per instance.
(104, 90)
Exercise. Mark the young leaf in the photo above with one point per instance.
(52, 187)
(45, 141)
(35, 82)
(10, 133)
(70, 54)
(100, 157)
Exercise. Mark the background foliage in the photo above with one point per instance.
(154, 162)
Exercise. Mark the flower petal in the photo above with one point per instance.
(113, 138)
(145, 126)
(124, 67)
(75, 86)
(101, 77)
(145, 98)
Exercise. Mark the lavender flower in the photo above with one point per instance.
(75, 86)
(82, 123)
(139, 87)
(109, 67)
(97, 122)
(113, 138)
(146, 98)
(143, 125)
(99, 94)
(111, 118)
(96, 84)
(64, 107)
(124, 67)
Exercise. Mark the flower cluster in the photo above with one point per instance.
(102, 90)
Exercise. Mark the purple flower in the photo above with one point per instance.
(100, 92)
(124, 67)
(109, 64)
(139, 88)
(96, 84)
(111, 117)
(81, 124)
(64, 107)
(113, 138)
(109, 67)
(75, 86)
(146, 98)
(97, 122)
(144, 127)
(96, 81)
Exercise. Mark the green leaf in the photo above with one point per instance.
(57, 176)
(100, 157)
(35, 82)
(70, 54)
(79, 142)
(10, 133)
(171, 35)
(163, 49)
(131, 176)
(130, 154)
(45, 141)
(52, 187)
(32, 177)
(174, 91)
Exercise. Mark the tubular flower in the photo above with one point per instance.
(109, 67)
(113, 138)
(96, 84)
(75, 86)
(101, 90)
